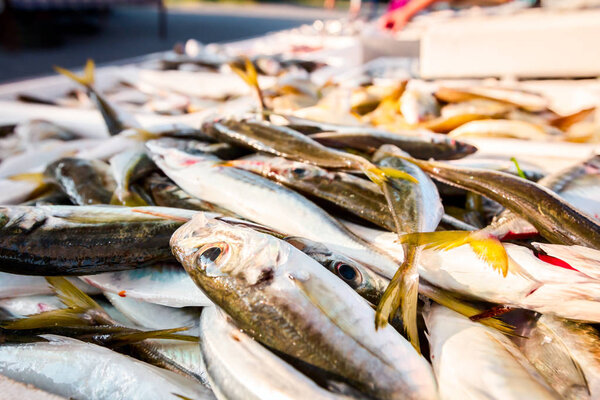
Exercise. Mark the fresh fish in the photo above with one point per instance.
(309, 313)
(418, 208)
(358, 196)
(86, 182)
(504, 128)
(530, 282)
(558, 221)
(566, 354)
(527, 101)
(423, 145)
(238, 367)
(71, 240)
(165, 284)
(265, 202)
(154, 316)
(116, 121)
(167, 194)
(472, 361)
(578, 185)
(62, 365)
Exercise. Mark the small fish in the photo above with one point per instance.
(418, 208)
(422, 145)
(86, 182)
(59, 364)
(527, 101)
(83, 240)
(240, 368)
(503, 128)
(418, 106)
(558, 221)
(116, 121)
(473, 361)
(265, 202)
(269, 283)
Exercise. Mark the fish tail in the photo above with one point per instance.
(79, 307)
(402, 294)
(380, 175)
(250, 76)
(87, 79)
(125, 338)
(486, 246)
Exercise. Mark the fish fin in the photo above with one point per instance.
(87, 79)
(380, 175)
(78, 305)
(250, 76)
(62, 317)
(402, 294)
(70, 295)
(121, 339)
(397, 174)
(486, 246)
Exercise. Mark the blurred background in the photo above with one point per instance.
(36, 34)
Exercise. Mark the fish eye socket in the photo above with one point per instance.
(348, 273)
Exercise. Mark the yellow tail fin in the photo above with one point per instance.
(87, 79)
(250, 76)
(486, 246)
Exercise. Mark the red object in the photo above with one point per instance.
(122, 293)
(555, 261)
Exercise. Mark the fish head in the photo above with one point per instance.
(221, 257)
(356, 275)
(278, 168)
(461, 149)
(166, 155)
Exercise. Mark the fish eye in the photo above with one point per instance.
(299, 172)
(210, 254)
(348, 273)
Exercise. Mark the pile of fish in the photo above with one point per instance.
(272, 256)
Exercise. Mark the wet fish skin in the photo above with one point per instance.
(277, 295)
(358, 196)
(473, 361)
(556, 220)
(83, 240)
(240, 368)
(267, 138)
(107, 374)
(567, 355)
(165, 193)
(265, 202)
(422, 146)
(86, 182)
